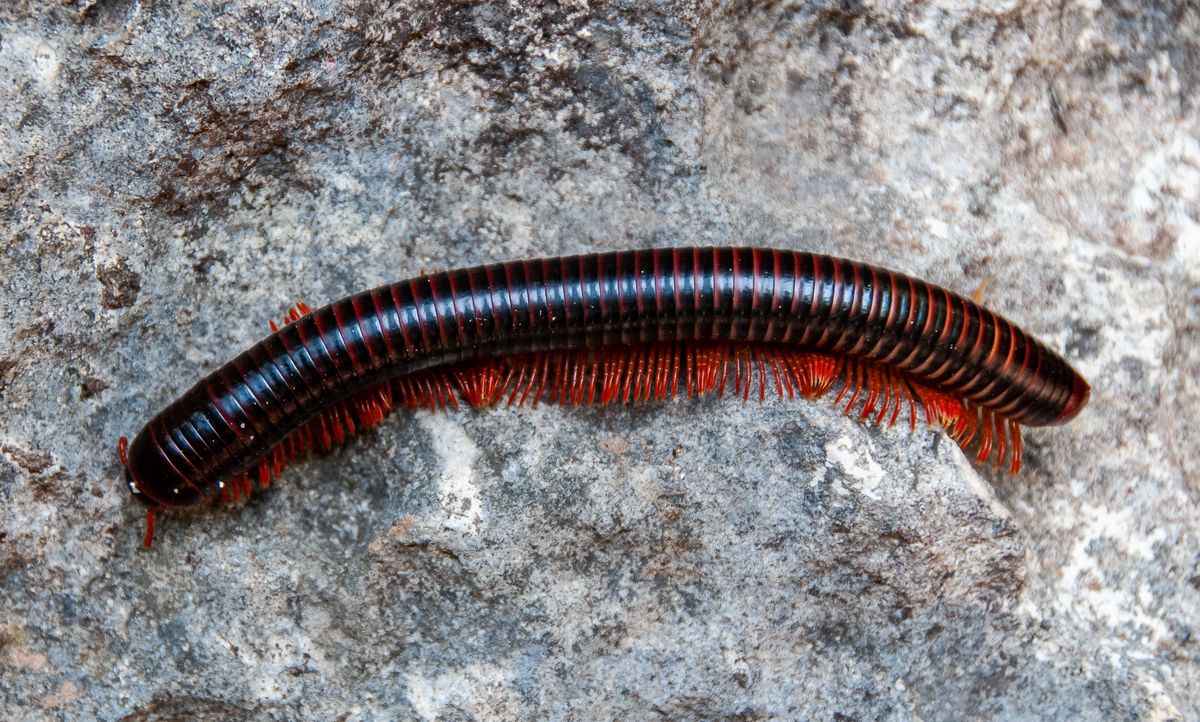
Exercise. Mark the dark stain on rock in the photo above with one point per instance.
(390, 46)
(34, 462)
(1145, 32)
(233, 146)
(225, 146)
(203, 265)
(165, 706)
(601, 104)
(187, 165)
(615, 110)
(121, 284)
(1084, 341)
(979, 197)
(846, 16)
(91, 386)
(110, 16)
(7, 367)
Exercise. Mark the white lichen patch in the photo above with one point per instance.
(30, 56)
(284, 658)
(456, 488)
(429, 695)
(1082, 590)
(856, 462)
(1163, 708)
(270, 664)
(1164, 197)
(464, 688)
(1141, 331)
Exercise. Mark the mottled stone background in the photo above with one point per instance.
(172, 175)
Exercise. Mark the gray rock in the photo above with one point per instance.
(170, 178)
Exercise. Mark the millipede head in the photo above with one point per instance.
(151, 479)
(132, 485)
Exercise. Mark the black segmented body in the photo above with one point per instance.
(230, 419)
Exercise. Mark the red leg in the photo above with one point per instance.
(149, 538)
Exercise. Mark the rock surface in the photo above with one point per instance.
(171, 178)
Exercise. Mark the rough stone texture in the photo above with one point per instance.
(171, 178)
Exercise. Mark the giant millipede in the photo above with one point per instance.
(603, 328)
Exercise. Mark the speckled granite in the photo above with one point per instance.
(170, 178)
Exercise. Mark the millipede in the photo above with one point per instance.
(617, 327)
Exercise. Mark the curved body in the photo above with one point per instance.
(228, 421)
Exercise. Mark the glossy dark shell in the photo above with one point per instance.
(227, 421)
